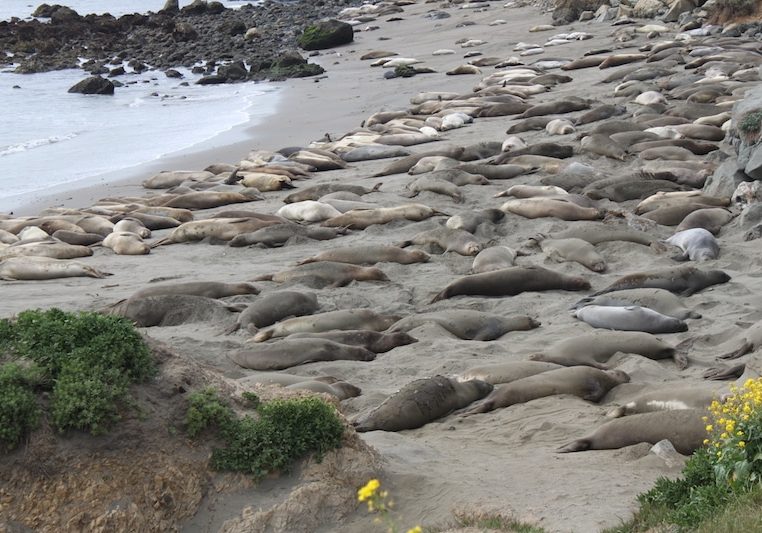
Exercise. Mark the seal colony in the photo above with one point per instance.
(345, 275)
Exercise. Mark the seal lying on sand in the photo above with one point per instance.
(660, 300)
(512, 281)
(325, 274)
(629, 318)
(669, 398)
(684, 280)
(420, 402)
(468, 325)
(587, 383)
(271, 308)
(683, 428)
(343, 319)
(288, 353)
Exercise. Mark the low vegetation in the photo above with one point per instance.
(728, 10)
(721, 485)
(750, 124)
(282, 431)
(75, 368)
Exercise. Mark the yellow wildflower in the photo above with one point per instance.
(416, 529)
(706, 441)
(741, 444)
(709, 427)
(368, 490)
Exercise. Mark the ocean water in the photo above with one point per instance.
(24, 8)
(51, 139)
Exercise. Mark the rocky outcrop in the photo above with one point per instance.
(93, 85)
(326, 34)
(568, 11)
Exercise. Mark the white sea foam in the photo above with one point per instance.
(34, 143)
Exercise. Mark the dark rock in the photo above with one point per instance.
(326, 34)
(235, 71)
(290, 58)
(171, 7)
(215, 8)
(118, 71)
(44, 10)
(93, 85)
(212, 80)
(184, 31)
(234, 27)
(172, 73)
(725, 180)
(404, 71)
(117, 83)
(63, 15)
(137, 66)
(198, 70)
(197, 7)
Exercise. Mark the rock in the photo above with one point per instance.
(171, 6)
(233, 27)
(725, 180)
(568, 11)
(184, 31)
(197, 7)
(251, 34)
(63, 15)
(172, 73)
(647, 8)
(586, 15)
(606, 13)
(751, 216)
(93, 85)
(326, 34)
(118, 71)
(234, 71)
(665, 450)
(677, 8)
(43, 10)
(212, 80)
(215, 8)
(754, 233)
(748, 192)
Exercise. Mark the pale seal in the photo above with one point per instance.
(448, 240)
(493, 258)
(369, 255)
(37, 268)
(630, 318)
(344, 319)
(671, 397)
(506, 372)
(325, 274)
(697, 244)
(660, 300)
(288, 353)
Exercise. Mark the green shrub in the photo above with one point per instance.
(88, 360)
(283, 431)
(19, 412)
(751, 122)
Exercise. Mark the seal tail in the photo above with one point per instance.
(579, 445)
(722, 373)
(95, 273)
(617, 412)
(264, 277)
(234, 177)
(441, 296)
(160, 242)
(582, 303)
(377, 187)
(438, 213)
(264, 335)
(306, 261)
(735, 354)
(232, 329)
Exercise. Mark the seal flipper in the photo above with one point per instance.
(681, 359)
(579, 445)
(745, 348)
(723, 373)
(483, 406)
(680, 257)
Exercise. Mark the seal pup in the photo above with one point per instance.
(224, 229)
(361, 219)
(671, 397)
(595, 349)
(207, 289)
(683, 280)
(660, 300)
(584, 382)
(369, 255)
(126, 243)
(420, 402)
(343, 319)
(683, 428)
(510, 282)
(629, 318)
(697, 244)
(493, 258)
(467, 324)
(571, 249)
(446, 239)
(506, 372)
(273, 307)
(308, 211)
(471, 220)
(325, 274)
(39, 268)
(288, 353)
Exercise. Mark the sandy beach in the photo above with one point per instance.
(503, 461)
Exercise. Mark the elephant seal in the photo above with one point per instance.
(273, 307)
(506, 372)
(551, 207)
(471, 220)
(132, 225)
(532, 191)
(711, 219)
(596, 233)
(684, 280)
(210, 199)
(448, 240)
(308, 211)
(370, 340)
(288, 353)
(572, 249)
(601, 144)
(512, 281)
(684, 429)
(420, 402)
(629, 318)
(224, 229)
(601, 112)
(594, 349)
(557, 107)
(467, 324)
(325, 274)
(344, 319)
(51, 249)
(207, 289)
(584, 382)
(369, 255)
(171, 310)
(38, 268)
(340, 389)
(752, 340)
(671, 397)
(279, 234)
(530, 124)
(493, 258)
(361, 219)
(126, 243)
(75, 237)
(374, 151)
(697, 244)
(317, 191)
(659, 300)
(437, 186)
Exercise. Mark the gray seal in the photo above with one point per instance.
(629, 318)
(467, 324)
(697, 244)
(288, 353)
